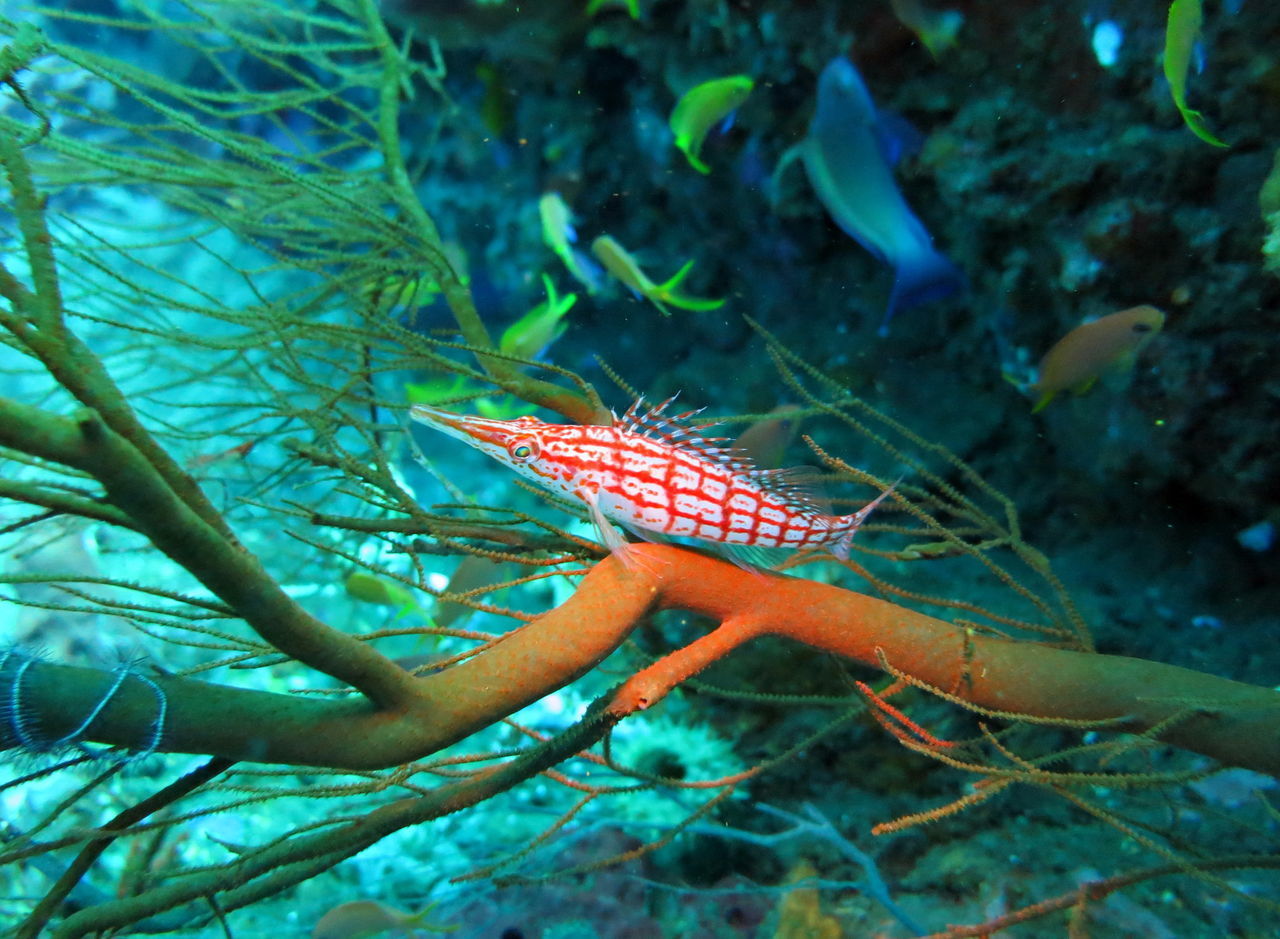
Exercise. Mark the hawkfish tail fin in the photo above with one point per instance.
(842, 547)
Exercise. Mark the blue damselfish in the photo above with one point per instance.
(848, 155)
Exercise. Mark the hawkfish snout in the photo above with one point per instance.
(482, 432)
(455, 425)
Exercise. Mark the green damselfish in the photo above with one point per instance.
(701, 108)
(619, 262)
(1185, 17)
(530, 335)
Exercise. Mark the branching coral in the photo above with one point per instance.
(294, 355)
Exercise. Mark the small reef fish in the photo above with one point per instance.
(497, 103)
(847, 157)
(472, 573)
(361, 919)
(453, 387)
(530, 335)
(402, 293)
(766, 441)
(659, 478)
(1082, 356)
(382, 591)
(1269, 203)
(558, 235)
(407, 294)
(238, 452)
(701, 108)
(937, 29)
(631, 6)
(1180, 37)
(619, 262)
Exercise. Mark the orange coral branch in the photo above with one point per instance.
(1235, 723)
(897, 723)
(1228, 720)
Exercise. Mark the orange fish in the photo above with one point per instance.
(766, 441)
(1082, 356)
(361, 919)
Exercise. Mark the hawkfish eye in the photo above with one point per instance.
(523, 450)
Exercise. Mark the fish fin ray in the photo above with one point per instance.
(663, 290)
(842, 547)
(609, 535)
(800, 486)
(753, 558)
(1085, 386)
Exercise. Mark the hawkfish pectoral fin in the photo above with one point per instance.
(627, 553)
(644, 534)
(749, 557)
(610, 537)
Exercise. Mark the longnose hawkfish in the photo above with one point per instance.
(660, 479)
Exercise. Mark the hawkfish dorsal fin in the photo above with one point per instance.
(675, 431)
(657, 423)
(800, 486)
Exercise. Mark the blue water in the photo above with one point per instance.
(1055, 173)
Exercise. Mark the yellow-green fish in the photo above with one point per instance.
(937, 29)
(532, 333)
(1082, 356)
(500, 407)
(559, 236)
(1181, 33)
(497, 104)
(701, 108)
(370, 588)
(1269, 194)
(619, 262)
(631, 6)
(402, 292)
(436, 390)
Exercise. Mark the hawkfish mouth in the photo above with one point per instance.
(465, 427)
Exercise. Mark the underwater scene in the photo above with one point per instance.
(639, 469)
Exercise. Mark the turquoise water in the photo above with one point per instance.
(918, 202)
